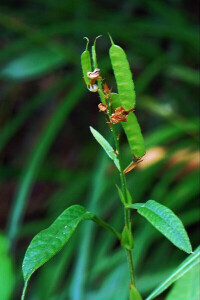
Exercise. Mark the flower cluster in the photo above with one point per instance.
(120, 114)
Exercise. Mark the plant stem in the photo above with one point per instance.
(107, 226)
(127, 213)
(127, 218)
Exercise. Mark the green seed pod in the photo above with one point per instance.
(127, 238)
(132, 130)
(123, 76)
(95, 65)
(94, 56)
(86, 63)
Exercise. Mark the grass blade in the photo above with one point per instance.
(185, 267)
(46, 139)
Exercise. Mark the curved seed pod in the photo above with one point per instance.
(132, 130)
(86, 63)
(94, 56)
(95, 66)
(123, 76)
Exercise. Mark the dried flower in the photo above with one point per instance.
(120, 115)
(133, 164)
(116, 118)
(106, 88)
(102, 107)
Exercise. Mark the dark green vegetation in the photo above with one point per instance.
(49, 160)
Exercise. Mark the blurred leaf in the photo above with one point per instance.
(10, 128)
(168, 133)
(149, 73)
(106, 146)
(35, 63)
(46, 138)
(187, 287)
(86, 247)
(7, 278)
(185, 267)
(183, 73)
(185, 190)
(150, 279)
(117, 278)
(165, 221)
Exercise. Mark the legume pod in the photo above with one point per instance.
(131, 129)
(123, 76)
(95, 65)
(86, 63)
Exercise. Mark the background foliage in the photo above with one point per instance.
(49, 160)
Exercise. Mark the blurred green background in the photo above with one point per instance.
(49, 160)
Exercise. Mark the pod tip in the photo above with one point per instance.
(87, 42)
(97, 39)
(111, 39)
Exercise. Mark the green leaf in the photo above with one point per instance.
(187, 287)
(129, 197)
(106, 146)
(184, 268)
(37, 62)
(51, 240)
(183, 73)
(165, 221)
(121, 196)
(132, 130)
(127, 238)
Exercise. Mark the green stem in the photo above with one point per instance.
(126, 210)
(107, 226)
(127, 213)
(24, 290)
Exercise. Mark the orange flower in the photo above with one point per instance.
(120, 115)
(102, 107)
